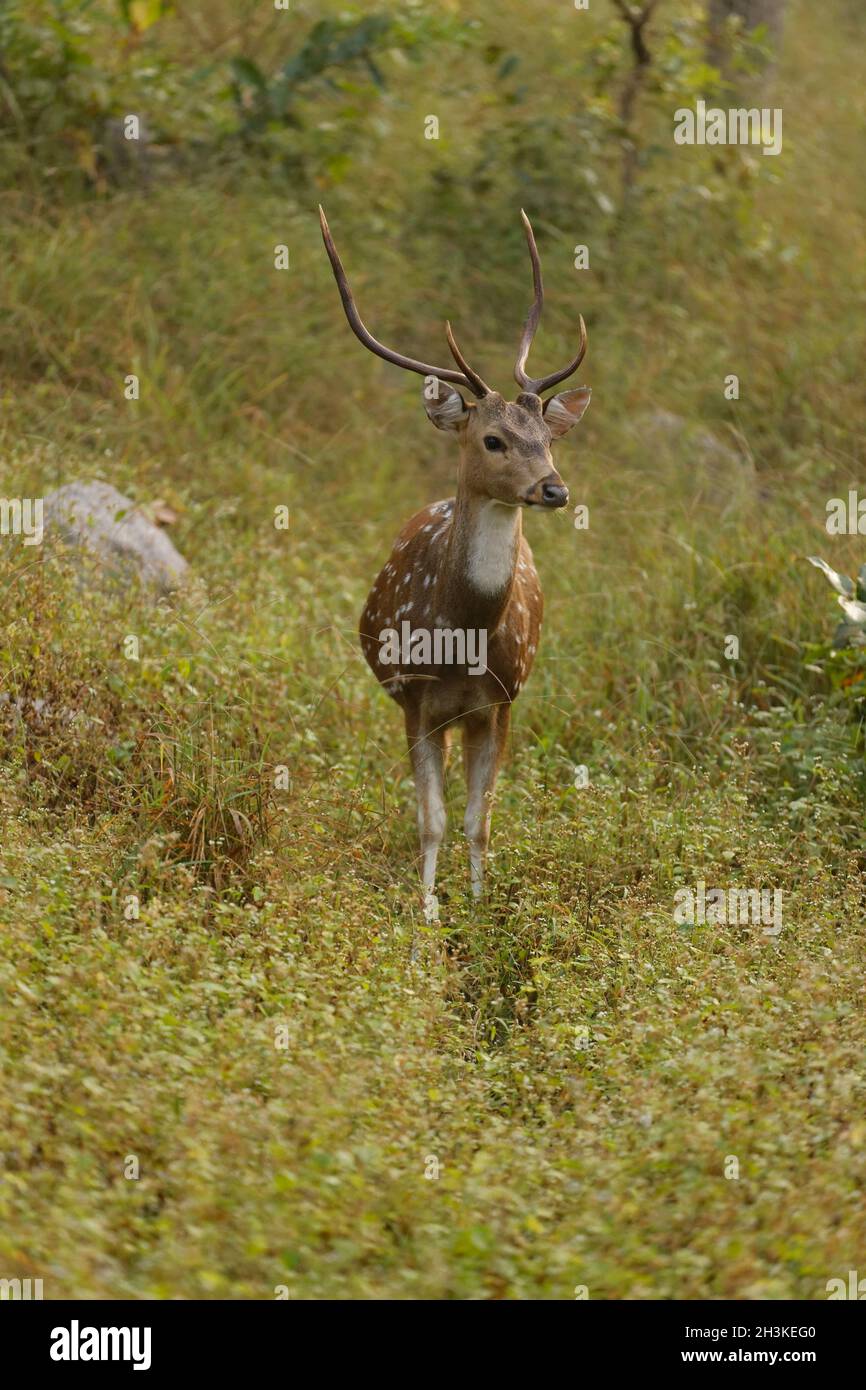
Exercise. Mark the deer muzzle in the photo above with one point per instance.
(550, 492)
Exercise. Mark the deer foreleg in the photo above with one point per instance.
(483, 745)
(427, 751)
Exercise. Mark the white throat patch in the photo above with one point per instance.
(492, 547)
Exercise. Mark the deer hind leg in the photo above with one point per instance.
(484, 739)
(427, 749)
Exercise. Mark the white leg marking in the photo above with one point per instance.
(428, 763)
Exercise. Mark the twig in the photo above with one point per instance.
(637, 18)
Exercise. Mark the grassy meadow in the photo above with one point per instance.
(220, 970)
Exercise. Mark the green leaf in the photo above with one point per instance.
(841, 583)
(855, 611)
(248, 72)
(849, 635)
(141, 14)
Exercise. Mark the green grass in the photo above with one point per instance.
(262, 1037)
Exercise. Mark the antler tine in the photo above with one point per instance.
(466, 377)
(478, 386)
(543, 383)
(534, 315)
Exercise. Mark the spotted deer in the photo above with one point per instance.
(460, 577)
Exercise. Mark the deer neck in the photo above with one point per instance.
(482, 558)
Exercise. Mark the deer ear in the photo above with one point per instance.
(444, 405)
(564, 410)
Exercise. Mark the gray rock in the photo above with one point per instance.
(716, 469)
(95, 517)
(666, 428)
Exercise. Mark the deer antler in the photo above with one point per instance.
(465, 377)
(473, 379)
(538, 384)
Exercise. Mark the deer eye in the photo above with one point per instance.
(494, 444)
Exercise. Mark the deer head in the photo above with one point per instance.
(504, 445)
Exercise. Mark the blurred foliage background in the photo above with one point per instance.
(580, 1065)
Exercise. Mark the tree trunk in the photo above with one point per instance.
(752, 13)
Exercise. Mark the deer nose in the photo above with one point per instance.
(554, 495)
